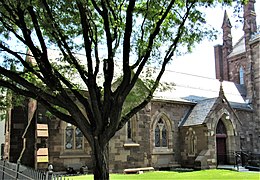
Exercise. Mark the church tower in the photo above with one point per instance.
(222, 51)
(250, 28)
(227, 45)
(240, 64)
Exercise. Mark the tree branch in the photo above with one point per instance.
(167, 58)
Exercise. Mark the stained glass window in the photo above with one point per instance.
(164, 137)
(157, 136)
(69, 137)
(160, 134)
(79, 138)
(73, 137)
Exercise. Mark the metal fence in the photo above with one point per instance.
(13, 171)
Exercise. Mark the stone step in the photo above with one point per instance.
(242, 169)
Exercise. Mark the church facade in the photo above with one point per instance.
(199, 123)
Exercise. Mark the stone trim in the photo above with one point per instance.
(163, 153)
(71, 156)
(131, 145)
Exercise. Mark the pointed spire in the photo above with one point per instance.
(227, 37)
(226, 21)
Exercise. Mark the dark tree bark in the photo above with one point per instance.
(100, 156)
(98, 22)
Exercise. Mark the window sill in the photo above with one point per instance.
(191, 155)
(162, 150)
(131, 145)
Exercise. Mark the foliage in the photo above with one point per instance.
(130, 34)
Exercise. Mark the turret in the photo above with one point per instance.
(222, 51)
(249, 28)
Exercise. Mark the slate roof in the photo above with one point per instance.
(199, 112)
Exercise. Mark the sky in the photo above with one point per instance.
(201, 61)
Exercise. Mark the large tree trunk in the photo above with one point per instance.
(100, 160)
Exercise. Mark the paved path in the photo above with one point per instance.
(232, 167)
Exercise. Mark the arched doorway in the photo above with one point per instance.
(221, 136)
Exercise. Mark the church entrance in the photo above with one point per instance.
(221, 138)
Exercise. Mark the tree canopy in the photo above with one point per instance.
(130, 33)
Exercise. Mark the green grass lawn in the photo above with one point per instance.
(200, 175)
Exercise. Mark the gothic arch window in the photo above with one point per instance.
(241, 75)
(160, 134)
(73, 138)
(221, 129)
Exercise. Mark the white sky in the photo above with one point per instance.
(201, 62)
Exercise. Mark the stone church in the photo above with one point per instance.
(199, 123)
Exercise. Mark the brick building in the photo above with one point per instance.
(198, 123)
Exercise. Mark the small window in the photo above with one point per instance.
(73, 138)
(129, 130)
(160, 134)
(241, 75)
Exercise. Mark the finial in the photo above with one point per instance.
(221, 91)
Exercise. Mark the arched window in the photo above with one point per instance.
(73, 137)
(241, 75)
(221, 129)
(160, 134)
(157, 136)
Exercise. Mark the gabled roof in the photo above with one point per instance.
(200, 112)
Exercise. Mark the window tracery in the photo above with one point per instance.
(73, 138)
(160, 134)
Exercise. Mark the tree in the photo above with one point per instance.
(132, 33)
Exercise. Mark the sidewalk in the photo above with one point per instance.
(235, 168)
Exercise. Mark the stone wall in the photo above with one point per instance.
(175, 112)
(131, 152)
(58, 155)
(235, 63)
(200, 144)
(255, 47)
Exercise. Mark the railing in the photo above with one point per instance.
(247, 159)
(14, 171)
(240, 158)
